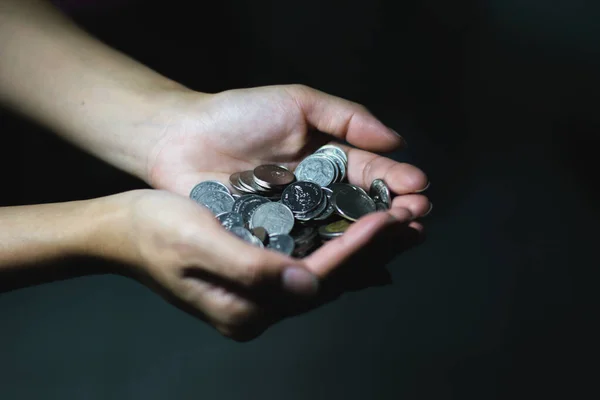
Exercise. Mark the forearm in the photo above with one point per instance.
(38, 234)
(90, 94)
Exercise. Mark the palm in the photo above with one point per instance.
(214, 136)
(234, 131)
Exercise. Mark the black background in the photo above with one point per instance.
(498, 100)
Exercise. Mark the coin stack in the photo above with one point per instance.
(292, 212)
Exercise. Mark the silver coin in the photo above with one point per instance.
(276, 218)
(351, 202)
(337, 171)
(282, 243)
(239, 202)
(302, 197)
(380, 192)
(247, 179)
(314, 213)
(246, 182)
(319, 170)
(341, 165)
(333, 149)
(338, 185)
(381, 206)
(235, 182)
(207, 186)
(271, 176)
(257, 242)
(246, 204)
(230, 219)
(328, 212)
(217, 202)
(243, 234)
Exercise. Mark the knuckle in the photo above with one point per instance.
(360, 108)
(237, 313)
(299, 87)
(367, 171)
(240, 322)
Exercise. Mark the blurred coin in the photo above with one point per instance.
(230, 219)
(257, 242)
(243, 234)
(302, 234)
(380, 192)
(333, 230)
(276, 218)
(281, 243)
(379, 206)
(314, 213)
(327, 212)
(340, 164)
(351, 202)
(216, 201)
(338, 185)
(247, 182)
(272, 176)
(234, 180)
(302, 197)
(247, 204)
(333, 149)
(207, 186)
(320, 170)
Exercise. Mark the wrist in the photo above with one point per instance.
(106, 233)
(37, 234)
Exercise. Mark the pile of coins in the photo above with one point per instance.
(292, 212)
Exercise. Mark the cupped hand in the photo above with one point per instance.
(213, 136)
(179, 249)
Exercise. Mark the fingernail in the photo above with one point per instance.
(428, 211)
(400, 136)
(424, 189)
(299, 281)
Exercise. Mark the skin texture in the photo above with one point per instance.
(172, 138)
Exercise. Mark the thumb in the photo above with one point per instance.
(223, 254)
(345, 120)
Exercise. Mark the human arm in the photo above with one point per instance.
(90, 94)
(173, 137)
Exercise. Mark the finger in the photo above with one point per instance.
(418, 205)
(219, 252)
(365, 267)
(345, 120)
(334, 253)
(230, 313)
(364, 167)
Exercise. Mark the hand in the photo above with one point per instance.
(213, 136)
(177, 248)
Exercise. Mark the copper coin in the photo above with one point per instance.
(270, 175)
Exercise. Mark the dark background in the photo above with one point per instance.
(498, 100)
